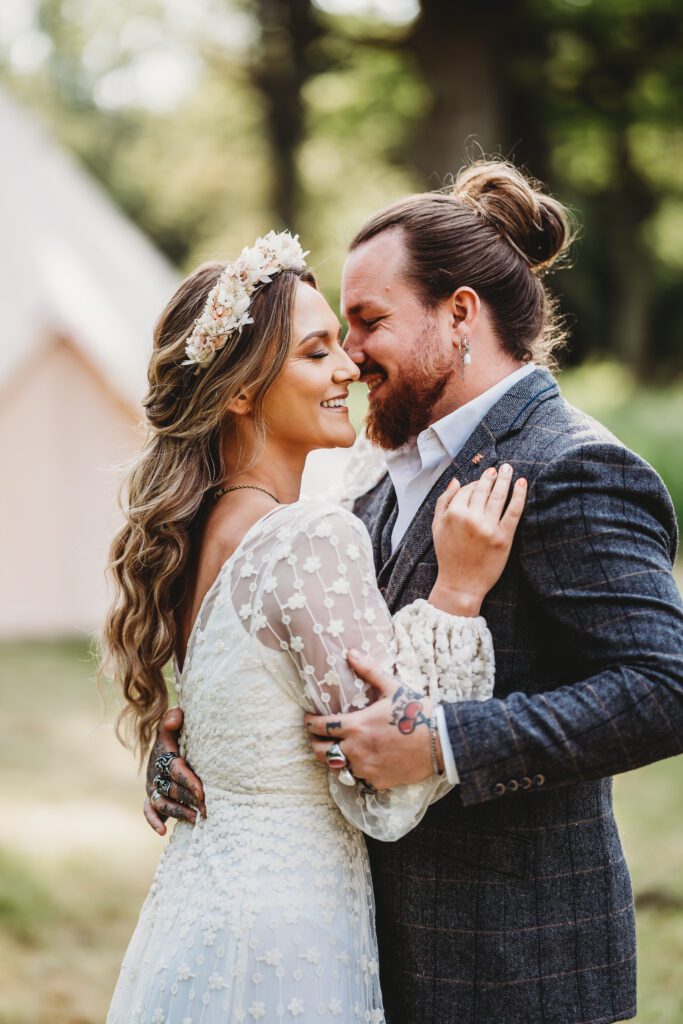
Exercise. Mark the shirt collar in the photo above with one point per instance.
(454, 429)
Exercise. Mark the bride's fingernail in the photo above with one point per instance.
(353, 653)
(506, 468)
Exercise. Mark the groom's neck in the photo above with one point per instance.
(478, 377)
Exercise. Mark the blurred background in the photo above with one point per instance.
(142, 137)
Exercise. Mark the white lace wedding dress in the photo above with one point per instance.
(264, 911)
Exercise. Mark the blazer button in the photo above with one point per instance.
(383, 591)
(525, 783)
(499, 789)
(539, 780)
(513, 786)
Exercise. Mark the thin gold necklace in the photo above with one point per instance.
(243, 487)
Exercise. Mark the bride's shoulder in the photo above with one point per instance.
(317, 517)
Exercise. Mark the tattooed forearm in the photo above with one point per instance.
(407, 711)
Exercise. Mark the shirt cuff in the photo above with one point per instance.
(446, 748)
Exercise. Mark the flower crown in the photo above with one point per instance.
(227, 307)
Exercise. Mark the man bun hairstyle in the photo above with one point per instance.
(495, 230)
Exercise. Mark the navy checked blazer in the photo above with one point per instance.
(511, 903)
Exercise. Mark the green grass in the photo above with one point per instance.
(76, 856)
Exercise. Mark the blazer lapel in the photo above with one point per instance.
(477, 454)
(377, 516)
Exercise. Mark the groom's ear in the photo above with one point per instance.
(465, 305)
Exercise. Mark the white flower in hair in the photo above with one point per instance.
(227, 307)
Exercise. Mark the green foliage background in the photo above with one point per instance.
(290, 114)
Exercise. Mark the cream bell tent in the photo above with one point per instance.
(81, 288)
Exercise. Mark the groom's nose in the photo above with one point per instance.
(354, 348)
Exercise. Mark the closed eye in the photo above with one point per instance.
(369, 324)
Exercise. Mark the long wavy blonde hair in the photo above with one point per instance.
(167, 485)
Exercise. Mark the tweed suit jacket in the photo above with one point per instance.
(511, 903)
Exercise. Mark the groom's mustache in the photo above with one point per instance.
(370, 369)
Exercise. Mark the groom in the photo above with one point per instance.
(510, 903)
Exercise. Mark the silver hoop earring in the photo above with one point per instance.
(465, 357)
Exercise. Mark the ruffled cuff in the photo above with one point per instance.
(450, 657)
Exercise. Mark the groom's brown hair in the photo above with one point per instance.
(496, 231)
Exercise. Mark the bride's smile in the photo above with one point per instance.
(306, 407)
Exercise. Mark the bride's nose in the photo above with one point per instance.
(346, 371)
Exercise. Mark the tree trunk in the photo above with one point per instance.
(280, 70)
(462, 50)
(632, 204)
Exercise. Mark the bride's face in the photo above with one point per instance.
(306, 407)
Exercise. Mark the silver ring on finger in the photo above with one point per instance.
(335, 757)
(163, 785)
(162, 764)
(154, 796)
(346, 778)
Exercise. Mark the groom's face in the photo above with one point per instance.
(404, 350)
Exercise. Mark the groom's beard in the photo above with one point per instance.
(406, 410)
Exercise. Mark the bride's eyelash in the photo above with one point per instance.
(318, 355)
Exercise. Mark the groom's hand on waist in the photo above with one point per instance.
(173, 790)
(386, 744)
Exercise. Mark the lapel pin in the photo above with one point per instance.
(477, 458)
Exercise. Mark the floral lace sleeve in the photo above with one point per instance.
(308, 588)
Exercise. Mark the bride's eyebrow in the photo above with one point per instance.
(319, 334)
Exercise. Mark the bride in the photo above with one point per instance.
(263, 910)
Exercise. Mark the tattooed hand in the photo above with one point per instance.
(185, 792)
(407, 711)
(387, 744)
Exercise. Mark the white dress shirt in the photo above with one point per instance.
(415, 468)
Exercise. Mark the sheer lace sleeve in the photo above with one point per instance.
(311, 592)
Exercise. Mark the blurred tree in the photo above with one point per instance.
(614, 85)
(283, 61)
(313, 118)
(468, 56)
